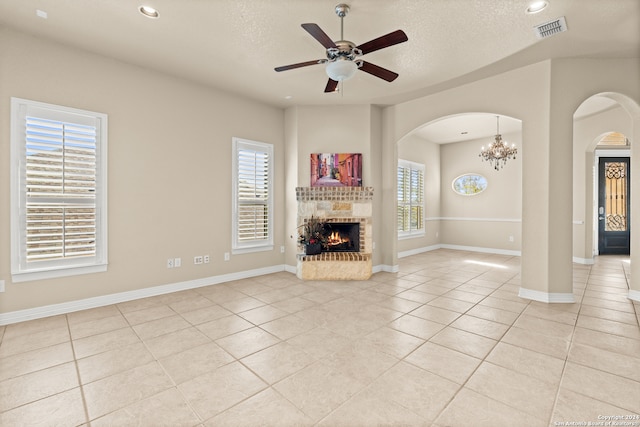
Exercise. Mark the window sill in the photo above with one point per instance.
(248, 250)
(411, 236)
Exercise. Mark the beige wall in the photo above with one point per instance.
(487, 220)
(169, 165)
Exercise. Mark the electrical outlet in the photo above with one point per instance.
(511, 238)
(207, 259)
(281, 249)
(170, 263)
(226, 256)
(177, 262)
(197, 259)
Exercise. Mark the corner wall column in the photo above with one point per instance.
(547, 181)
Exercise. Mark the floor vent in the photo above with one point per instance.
(550, 28)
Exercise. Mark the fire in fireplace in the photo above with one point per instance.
(343, 237)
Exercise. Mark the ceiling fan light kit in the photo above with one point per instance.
(342, 56)
(341, 69)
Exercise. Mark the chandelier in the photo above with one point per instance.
(498, 152)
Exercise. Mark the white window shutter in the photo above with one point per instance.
(410, 200)
(60, 190)
(253, 198)
(58, 201)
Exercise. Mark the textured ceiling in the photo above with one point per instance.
(235, 45)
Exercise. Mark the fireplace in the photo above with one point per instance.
(347, 212)
(343, 237)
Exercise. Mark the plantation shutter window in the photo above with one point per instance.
(58, 204)
(253, 204)
(410, 199)
(403, 197)
(60, 180)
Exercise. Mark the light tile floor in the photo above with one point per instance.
(445, 342)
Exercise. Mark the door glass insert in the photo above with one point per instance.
(615, 196)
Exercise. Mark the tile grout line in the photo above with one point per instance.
(77, 368)
(566, 358)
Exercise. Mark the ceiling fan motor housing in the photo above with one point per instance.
(344, 49)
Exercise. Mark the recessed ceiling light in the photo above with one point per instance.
(149, 12)
(537, 6)
(42, 14)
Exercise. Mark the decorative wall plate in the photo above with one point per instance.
(469, 184)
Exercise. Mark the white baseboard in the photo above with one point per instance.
(634, 295)
(483, 250)
(548, 297)
(84, 304)
(404, 254)
(386, 268)
(585, 261)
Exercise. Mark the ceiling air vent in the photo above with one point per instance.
(550, 28)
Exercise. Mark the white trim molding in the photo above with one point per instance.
(410, 252)
(417, 251)
(483, 250)
(634, 295)
(84, 304)
(585, 261)
(548, 297)
(385, 268)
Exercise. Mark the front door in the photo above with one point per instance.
(613, 206)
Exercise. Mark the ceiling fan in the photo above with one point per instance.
(342, 56)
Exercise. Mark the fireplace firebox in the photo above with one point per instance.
(343, 237)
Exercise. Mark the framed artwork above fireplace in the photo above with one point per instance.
(336, 170)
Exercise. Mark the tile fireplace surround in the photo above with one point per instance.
(337, 204)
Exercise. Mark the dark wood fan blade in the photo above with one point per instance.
(299, 65)
(378, 71)
(319, 35)
(331, 86)
(390, 39)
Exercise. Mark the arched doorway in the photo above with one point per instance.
(605, 126)
(448, 147)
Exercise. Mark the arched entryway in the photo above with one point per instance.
(447, 148)
(620, 115)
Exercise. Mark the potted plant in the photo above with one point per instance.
(312, 235)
